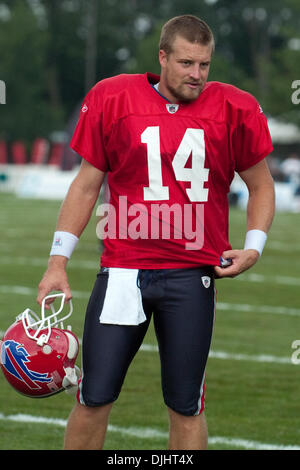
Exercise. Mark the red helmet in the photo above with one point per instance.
(38, 356)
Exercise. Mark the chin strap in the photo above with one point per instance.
(70, 380)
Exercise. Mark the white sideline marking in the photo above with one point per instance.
(150, 433)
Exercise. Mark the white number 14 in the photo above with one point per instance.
(197, 175)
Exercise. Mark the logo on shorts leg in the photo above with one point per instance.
(206, 281)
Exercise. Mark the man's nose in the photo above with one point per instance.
(195, 72)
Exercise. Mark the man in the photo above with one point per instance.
(170, 146)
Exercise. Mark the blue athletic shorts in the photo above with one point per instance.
(182, 302)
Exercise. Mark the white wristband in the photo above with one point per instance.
(63, 244)
(255, 240)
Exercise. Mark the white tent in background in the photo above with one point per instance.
(283, 132)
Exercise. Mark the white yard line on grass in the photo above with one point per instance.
(262, 358)
(258, 308)
(279, 310)
(30, 291)
(261, 278)
(150, 433)
(283, 246)
(248, 277)
(43, 262)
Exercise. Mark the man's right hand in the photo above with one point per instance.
(54, 279)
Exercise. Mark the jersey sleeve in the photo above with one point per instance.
(87, 139)
(252, 141)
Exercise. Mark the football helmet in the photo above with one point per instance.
(38, 355)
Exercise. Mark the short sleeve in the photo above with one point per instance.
(87, 139)
(252, 141)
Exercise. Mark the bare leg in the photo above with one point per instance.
(86, 428)
(187, 432)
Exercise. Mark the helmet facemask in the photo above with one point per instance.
(31, 321)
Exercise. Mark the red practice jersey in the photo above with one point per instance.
(169, 168)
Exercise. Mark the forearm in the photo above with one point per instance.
(73, 217)
(260, 213)
(261, 207)
(76, 209)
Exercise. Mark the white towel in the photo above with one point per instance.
(123, 300)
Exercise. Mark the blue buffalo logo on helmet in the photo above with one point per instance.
(14, 358)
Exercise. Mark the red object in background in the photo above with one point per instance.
(40, 150)
(56, 154)
(18, 152)
(3, 152)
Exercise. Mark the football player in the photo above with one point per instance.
(170, 145)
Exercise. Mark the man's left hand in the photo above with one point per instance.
(241, 261)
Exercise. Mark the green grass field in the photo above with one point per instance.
(252, 386)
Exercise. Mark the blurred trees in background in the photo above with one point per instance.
(53, 51)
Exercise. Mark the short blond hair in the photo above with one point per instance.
(190, 27)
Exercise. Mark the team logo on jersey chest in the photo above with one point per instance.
(172, 108)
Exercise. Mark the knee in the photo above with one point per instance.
(92, 413)
(186, 423)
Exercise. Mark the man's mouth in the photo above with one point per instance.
(193, 85)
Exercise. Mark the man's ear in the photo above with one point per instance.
(162, 56)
